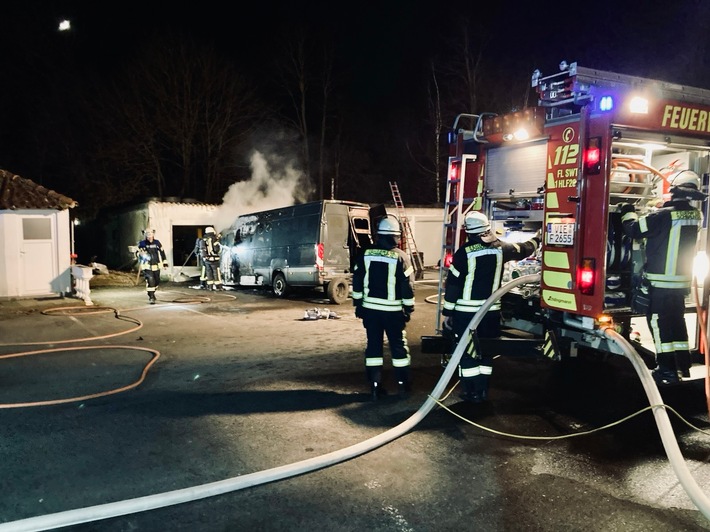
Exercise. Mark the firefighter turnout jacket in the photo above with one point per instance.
(151, 254)
(210, 248)
(476, 272)
(382, 280)
(670, 233)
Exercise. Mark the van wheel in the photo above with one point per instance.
(279, 286)
(338, 291)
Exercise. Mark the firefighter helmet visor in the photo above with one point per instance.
(389, 226)
(686, 184)
(685, 178)
(476, 223)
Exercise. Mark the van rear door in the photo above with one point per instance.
(334, 234)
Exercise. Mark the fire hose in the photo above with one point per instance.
(170, 498)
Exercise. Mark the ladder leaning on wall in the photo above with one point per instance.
(409, 246)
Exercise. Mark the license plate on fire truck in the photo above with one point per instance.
(560, 233)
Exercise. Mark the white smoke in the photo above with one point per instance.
(274, 183)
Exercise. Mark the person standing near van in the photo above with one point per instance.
(383, 296)
(211, 253)
(150, 256)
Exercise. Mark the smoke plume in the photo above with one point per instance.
(274, 183)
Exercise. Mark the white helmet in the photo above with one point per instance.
(209, 230)
(476, 223)
(389, 226)
(149, 231)
(685, 178)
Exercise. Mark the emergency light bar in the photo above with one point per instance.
(606, 103)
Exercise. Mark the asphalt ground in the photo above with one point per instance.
(242, 385)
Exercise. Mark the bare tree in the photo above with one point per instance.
(171, 125)
(301, 69)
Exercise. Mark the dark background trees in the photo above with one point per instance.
(157, 100)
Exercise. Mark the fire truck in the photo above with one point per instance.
(595, 139)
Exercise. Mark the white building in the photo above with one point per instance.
(177, 224)
(35, 239)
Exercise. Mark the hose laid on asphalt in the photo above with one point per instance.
(161, 500)
(665, 429)
(170, 498)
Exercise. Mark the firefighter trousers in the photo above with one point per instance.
(377, 323)
(666, 320)
(476, 366)
(152, 280)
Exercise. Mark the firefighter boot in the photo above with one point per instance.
(469, 392)
(682, 362)
(374, 375)
(666, 372)
(151, 298)
(403, 384)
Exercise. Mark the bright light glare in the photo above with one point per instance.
(639, 105)
(701, 265)
(64, 25)
(653, 147)
(521, 134)
(606, 103)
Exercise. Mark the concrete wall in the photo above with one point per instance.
(126, 227)
(427, 228)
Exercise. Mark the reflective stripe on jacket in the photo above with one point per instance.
(476, 271)
(670, 234)
(382, 280)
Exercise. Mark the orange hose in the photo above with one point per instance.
(702, 323)
(153, 360)
(634, 164)
(83, 310)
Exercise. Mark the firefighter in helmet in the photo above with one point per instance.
(200, 263)
(670, 234)
(150, 257)
(383, 296)
(474, 274)
(211, 252)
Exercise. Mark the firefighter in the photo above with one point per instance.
(670, 234)
(200, 263)
(383, 296)
(150, 256)
(474, 274)
(211, 252)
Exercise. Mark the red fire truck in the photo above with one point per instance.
(595, 139)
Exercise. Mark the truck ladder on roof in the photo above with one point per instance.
(410, 247)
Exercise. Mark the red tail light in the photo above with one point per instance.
(319, 256)
(454, 170)
(447, 259)
(587, 276)
(593, 156)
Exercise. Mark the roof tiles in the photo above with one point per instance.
(19, 193)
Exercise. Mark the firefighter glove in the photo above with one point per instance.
(359, 312)
(165, 264)
(448, 323)
(407, 311)
(625, 208)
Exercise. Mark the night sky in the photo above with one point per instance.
(382, 52)
(382, 44)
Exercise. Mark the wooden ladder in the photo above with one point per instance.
(409, 246)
